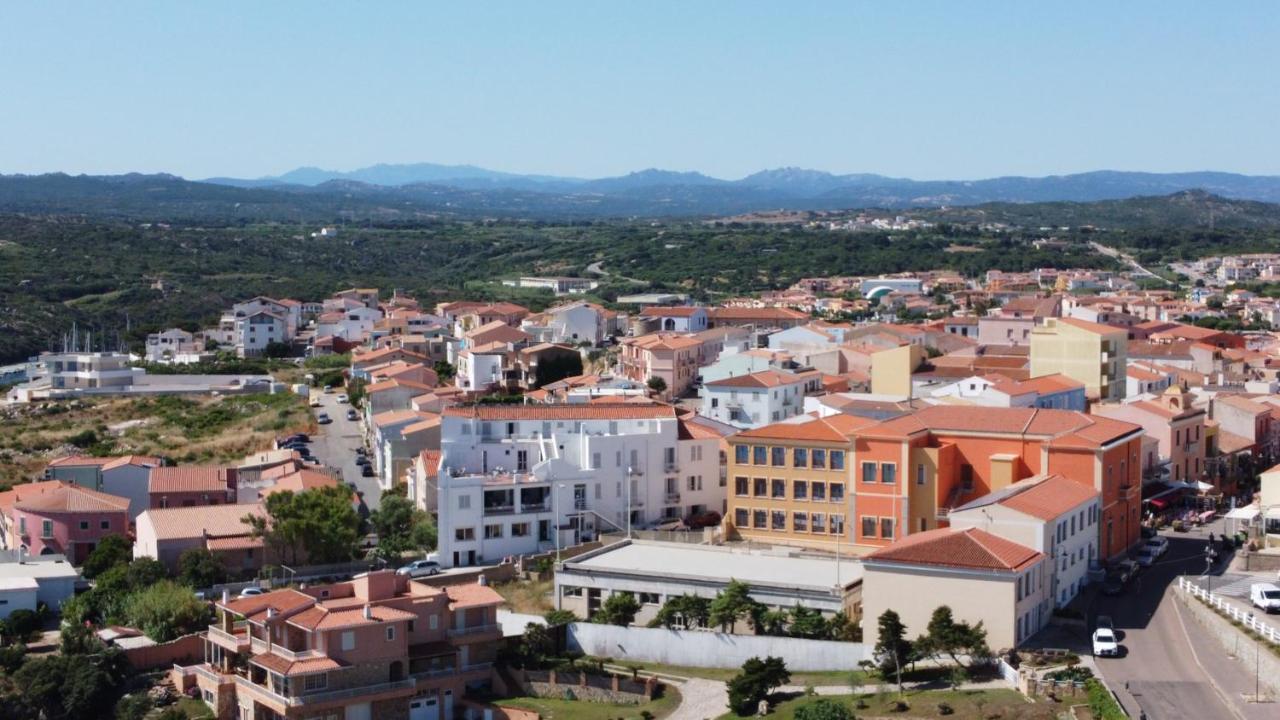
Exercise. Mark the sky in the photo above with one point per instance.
(927, 90)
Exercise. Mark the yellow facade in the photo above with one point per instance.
(891, 369)
(1086, 352)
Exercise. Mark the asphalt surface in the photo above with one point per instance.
(1233, 588)
(1169, 667)
(335, 446)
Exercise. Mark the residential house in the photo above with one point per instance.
(28, 581)
(1083, 351)
(681, 319)
(175, 346)
(191, 485)
(60, 518)
(165, 533)
(669, 357)
(1178, 426)
(758, 318)
(574, 323)
(126, 476)
(760, 398)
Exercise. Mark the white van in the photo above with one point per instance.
(1265, 596)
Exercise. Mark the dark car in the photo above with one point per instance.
(1113, 585)
(362, 460)
(366, 471)
(361, 451)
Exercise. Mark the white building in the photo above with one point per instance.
(174, 346)
(478, 371)
(353, 323)
(1050, 514)
(573, 323)
(27, 580)
(517, 479)
(761, 398)
(733, 363)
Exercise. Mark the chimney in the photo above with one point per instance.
(483, 580)
(271, 613)
(368, 612)
(226, 596)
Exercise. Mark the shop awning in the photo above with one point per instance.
(1248, 513)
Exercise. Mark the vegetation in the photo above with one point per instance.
(556, 709)
(953, 639)
(318, 526)
(166, 610)
(620, 608)
(64, 687)
(683, 611)
(893, 651)
(732, 604)
(958, 705)
(823, 709)
(111, 551)
(401, 527)
(199, 568)
(757, 679)
(1101, 704)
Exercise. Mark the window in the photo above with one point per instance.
(837, 459)
(433, 622)
(595, 461)
(779, 457)
(105, 525)
(758, 519)
(759, 455)
(464, 502)
(868, 472)
(778, 520)
(966, 477)
(818, 522)
(84, 524)
(740, 454)
(391, 633)
(22, 525)
(819, 491)
(889, 473)
(411, 625)
(800, 490)
(837, 525)
(520, 529)
(349, 640)
(868, 526)
(761, 487)
(492, 532)
(778, 488)
(837, 492)
(800, 522)
(920, 476)
(46, 528)
(741, 517)
(886, 528)
(800, 457)
(649, 598)
(464, 534)
(741, 486)
(319, 681)
(819, 459)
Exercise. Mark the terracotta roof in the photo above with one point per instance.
(431, 461)
(1093, 327)
(306, 666)
(1240, 402)
(56, 496)
(235, 542)
(1063, 426)
(1044, 497)
(1139, 373)
(663, 341)
(576, 411)
(301, 480)
(282, 601)
(761, 379)
(191, 478)
(761, 314)
(471, 595)
(1229, 442)
(79, 460)
(688, 428)
(377, 355)
(324, 618)
(393, 383)
(970, 549)
(395, 417)
(834, 428)
(192, 522)
(431, 421)
(1049, 384)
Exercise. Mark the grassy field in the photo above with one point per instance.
(522, 596)
(194, 709)
(551, 709)
(816, 679)
(964, 705)
(186, 429)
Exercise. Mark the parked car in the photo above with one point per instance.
(324, 419)
(366, 471)
(342, 398)
(315, 402)
(1113, 585)
(1160, 544)
(251, 591)
(352, 414)
(1265, 597)
(328, 389)
(420, 568)
(1105, 643)
(361, 451)
(362, 460)
(1147, 556)
(1127, 569)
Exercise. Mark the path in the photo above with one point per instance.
(996, 684)
(1125, 258)
(700, 700)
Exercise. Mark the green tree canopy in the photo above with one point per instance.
(893, 651)
(954, 639)
(165, 611)
(732, 604)
(111, 551)
(620, 608)
(316, 526)
(71, 687)
(757, 679)
(683, 610)
(401, 527)
(199, 568)
(657, 384)
(808, 623)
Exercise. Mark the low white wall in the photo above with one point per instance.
(711, 649)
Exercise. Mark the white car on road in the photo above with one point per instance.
(1105, 643)
(1265, 597)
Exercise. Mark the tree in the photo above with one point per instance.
(145, 571)
(19, 625)
(772, 622)
(823, 709)
(444, 370)
(276, 350)
(111, 551)
(133, 707)
(657, 384)
(757, 679)
(165, 611)
(320, 522)
(620, 608)
(808, 623)
(199, 568)
(843, 629)
(954, 639)
(537, 643)
(67, 687)
(732, 604)
(556, 618)
(892, 650)
(683, 610)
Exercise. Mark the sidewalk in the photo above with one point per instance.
(1226, 674)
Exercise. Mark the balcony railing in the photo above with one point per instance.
(534, 507)
(672, 497)
(671, 467)
(319, 697)
(473, 630)
(580, 504)
(258, 645)
(239, 637)
(477, 666)
(499, 509)
(434, 673)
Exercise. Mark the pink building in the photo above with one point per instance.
(1178, 427)
(60, 518)
(379, 646)
(673, 358)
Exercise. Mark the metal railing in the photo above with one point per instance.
(259, 645)
(473, 630)
(499, 509)
(1245, 618)
(477, 666)
(319, 697)
(672, 497)
(434, 672)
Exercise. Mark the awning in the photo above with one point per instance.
(1248, 512)
(1159, 503)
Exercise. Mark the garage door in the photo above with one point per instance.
(426, 708)
(359, 711)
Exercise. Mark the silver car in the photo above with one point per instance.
(420, 568)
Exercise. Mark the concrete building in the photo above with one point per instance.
(28, 580)
(191, 485)
(126, 476)
(1176, 424)
(165, 533)
(982, 577)
(1083, 351)
(655, 572)
(682, 319)
(760, 398)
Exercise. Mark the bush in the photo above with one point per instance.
(757, 679)
(823, 709)
(945, 709)
(1101, 704)
(111, 551)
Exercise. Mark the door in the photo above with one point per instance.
(448, 703)
(424, 708)
(358, 711)
(471, 557)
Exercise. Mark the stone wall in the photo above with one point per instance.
(588, 687)
(1232, 638)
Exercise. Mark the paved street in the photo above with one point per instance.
(335, 445)
(1234, 589)
(1171, 667)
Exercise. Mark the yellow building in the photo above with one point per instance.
(791, 482)
(1087, 352)
(891, 369)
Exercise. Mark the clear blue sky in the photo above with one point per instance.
(916, 89)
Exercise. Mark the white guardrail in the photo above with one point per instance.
(1244, 617)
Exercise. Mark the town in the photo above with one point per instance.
(896, 478)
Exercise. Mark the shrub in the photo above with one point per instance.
(1101, 704)
(945, 709)
(823, 709)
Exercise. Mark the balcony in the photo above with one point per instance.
(477, 666)
(235, 640)
(580, 504)
(535, 507)
(671, 498)
(671, 467)
(499, 509)
(260, 646)
(434, 673)
(331, 695)
(474, 630)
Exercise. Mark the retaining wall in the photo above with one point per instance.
(711, 649)
(1253, 656)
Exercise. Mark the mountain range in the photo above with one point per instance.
(400, 192)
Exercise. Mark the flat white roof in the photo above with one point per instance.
(19, 583)
(37, 569)
(715, 563)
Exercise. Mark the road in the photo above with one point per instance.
(1171, 668)
(335, 445)
(1124, 258)
(1233, 588)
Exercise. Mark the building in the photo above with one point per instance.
(165, 533)
(191, 485)
(557, 285)
(175, 346)
(1176, 424)
(1087, 352)
(1056, 392)
(378, 646)
(673, 359)
(27, 581)
(757, 318)
(574, 323)
(760, 398)
(86, 371)
(682, 319)
(126, 476)
(1049, 514)
(59, 518)
(655, 572)
(982, 577)
(521, 479)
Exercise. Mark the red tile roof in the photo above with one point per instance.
(191, 478)
(306, 666)
(670, 311)
(1048, 498)
(1062, 426)
(761, 379)
(970, 549)
(195, 522)
(56, 496)
(471, 595)
(834, 428)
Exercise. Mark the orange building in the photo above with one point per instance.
(904, 475)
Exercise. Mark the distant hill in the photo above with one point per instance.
(1186, 209)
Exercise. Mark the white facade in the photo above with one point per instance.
(89, 371)
(254, 332)
(477, 371)
(174, 346)
(54, 579)
(509, 478)
(354, 324)
(752, 407)
(571, 324)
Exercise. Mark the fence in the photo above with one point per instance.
(186, 649)
(1245, 618)
(711, 649)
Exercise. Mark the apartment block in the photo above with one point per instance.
(1083, 351)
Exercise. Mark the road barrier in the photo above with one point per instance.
(1245, 618)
